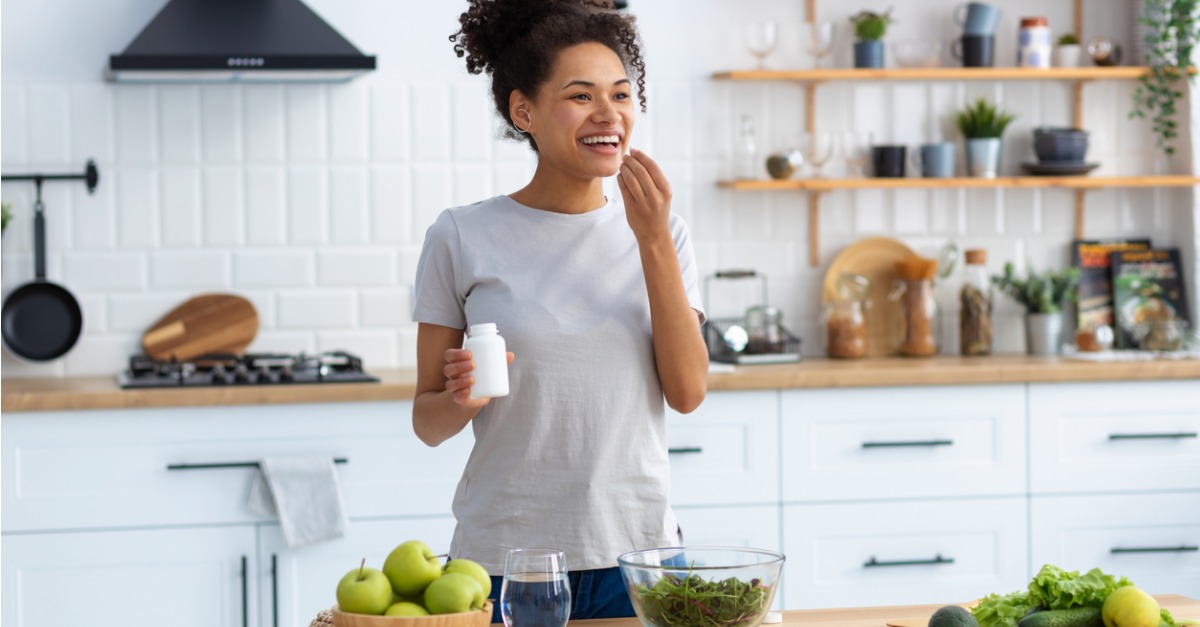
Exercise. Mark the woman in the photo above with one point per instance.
(597, 301)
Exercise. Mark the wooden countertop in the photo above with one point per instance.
(1179, 606)
(103, 393)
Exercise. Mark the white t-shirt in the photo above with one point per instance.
(575, 457)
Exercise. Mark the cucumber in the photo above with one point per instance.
(1074, 617)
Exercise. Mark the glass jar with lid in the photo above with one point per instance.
(844, 318)
(975, 313)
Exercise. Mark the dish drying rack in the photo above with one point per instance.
(754, 350)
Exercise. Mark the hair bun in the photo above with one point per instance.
(490, 27)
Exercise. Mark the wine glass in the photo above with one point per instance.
(856, 150)
(761, 38)
(817, 148)
(822, 37)
(535, 591)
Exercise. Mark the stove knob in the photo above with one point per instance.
(218, 374)
(241, 374)
(285, 373)
(263, 374)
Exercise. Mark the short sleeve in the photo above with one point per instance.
(687, 264)
(438, 297)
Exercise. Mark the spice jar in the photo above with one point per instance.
(1033, 43)
(918, 308)
(845, 320)
(975, 314)
(764, 325)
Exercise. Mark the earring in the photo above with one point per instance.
(528, 126)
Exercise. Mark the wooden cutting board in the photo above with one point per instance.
(209, 323)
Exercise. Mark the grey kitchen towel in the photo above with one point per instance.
(304, 492)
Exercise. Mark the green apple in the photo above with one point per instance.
(364, 591)
(472, 569)
(406, 608)
(411, 567)
(453, 593)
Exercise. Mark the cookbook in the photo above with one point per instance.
(1148, 285)
(1094, 259)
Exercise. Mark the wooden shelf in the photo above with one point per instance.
(1071, 182)
(940, 74)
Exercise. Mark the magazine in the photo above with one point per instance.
(1148, 285)
(1094, 258)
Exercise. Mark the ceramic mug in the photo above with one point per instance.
(977, 18)
(888, 161)
(934, 161)
(974, 50)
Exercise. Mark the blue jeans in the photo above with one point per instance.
(594, 594)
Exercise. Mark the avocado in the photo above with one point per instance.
(952, 616)
(1074, 617)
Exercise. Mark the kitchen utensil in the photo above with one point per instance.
(758, 337)
(888, 161)
(977, 18)
(1051, 168)
(655, 580)
(481, 618)
(1056, 145)
(209, 323)
(42, 320)
(873, 258)
(535, 591)
(974, 50)
(917, 53)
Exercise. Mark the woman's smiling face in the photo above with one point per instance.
(583, 114)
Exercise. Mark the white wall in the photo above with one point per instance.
(313, 199)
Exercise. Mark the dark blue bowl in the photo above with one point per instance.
(1060, 145)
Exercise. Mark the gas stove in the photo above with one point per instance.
(250, 369)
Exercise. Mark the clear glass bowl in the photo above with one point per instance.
(702, 586)
(917, 53)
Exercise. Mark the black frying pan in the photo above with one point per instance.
(42, 320)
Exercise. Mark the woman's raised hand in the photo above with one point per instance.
(458, 369)
(647, 195)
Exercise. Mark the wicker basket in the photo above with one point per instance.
(480, 618)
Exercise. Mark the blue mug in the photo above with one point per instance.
(935, 161)
(977, 18)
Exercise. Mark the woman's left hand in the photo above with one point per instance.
(647, 196)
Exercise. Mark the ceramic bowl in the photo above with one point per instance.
(1060, 144)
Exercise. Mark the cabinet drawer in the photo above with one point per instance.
(1154, 539)
(913, 552)
(903, 443)
(1102, 437)
(726, 452)
(95, 469)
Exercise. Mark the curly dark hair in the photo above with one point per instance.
(517, 41)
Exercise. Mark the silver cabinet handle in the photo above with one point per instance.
(905, 443)
(1152, 436)
(938, 559)
(336, 460)
(1155, 549)
(685, 450)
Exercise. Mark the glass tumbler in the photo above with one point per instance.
(535, 591)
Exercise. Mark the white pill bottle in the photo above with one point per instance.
(491, 361)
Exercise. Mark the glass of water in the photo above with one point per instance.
(535, 592)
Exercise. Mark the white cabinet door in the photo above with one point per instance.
(304, 580)
(887, 443)
(1124, 436)
(96, 469)
(904, 552)
(145, 578)
(751, 526)
(727, 451)
(1154, 539)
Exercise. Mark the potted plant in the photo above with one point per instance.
(1171, 32)
(981, 125)
(1067, 51)
(869, 29)
(1043, 297)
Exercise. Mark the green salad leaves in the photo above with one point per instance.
(1052, 589)
(695, 602)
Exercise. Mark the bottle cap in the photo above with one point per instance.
(976, 256)
(481, 328)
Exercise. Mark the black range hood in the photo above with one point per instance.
(238, 40)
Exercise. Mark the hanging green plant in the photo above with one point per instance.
(1172, 33)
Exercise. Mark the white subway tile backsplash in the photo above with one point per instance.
(49, 134)
(284, 342)
(672, 111)
(432, 192)
(264, 305)
(349, 115)
(384, 308)
(1022, 212)
(265, 206)
(136, 131)
(99, 355)
(197, 270)
(509, 177)
(472, 121)
(223, 219)
(95, 312)
(870, 211)
(377, 348)
(135, 313)
(181, 219)
(57, 200)
(359, 267)
(408, 346)
(907, 98)
(308, 205)
(273, 268)
(104, 271)
(430, 121)
(985, 216)
(221, 119)
(391, 205)
(14, 119)
(91, 123)
(350, 206)
(910, 211)
(307, 124)
(138, 202)
(390, 129)
(469, 183)
(263, 123)
(325, 309)
(179, 124)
